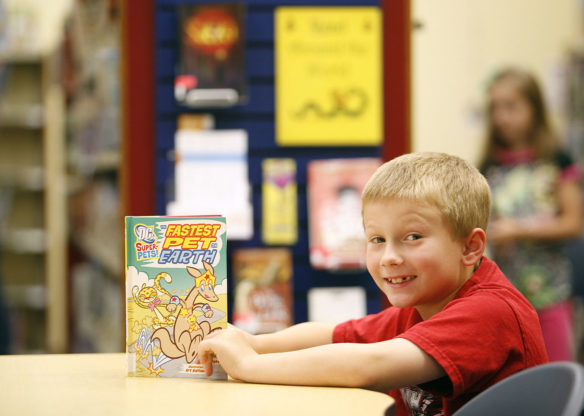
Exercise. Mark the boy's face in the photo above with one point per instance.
(412, 255)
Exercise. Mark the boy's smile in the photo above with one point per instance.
(399, 280)
(412, 255)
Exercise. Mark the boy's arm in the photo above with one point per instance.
(296, 337)
(380, 366)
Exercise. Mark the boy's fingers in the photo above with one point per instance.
(206, 358)
(214, 334)
(209, 368)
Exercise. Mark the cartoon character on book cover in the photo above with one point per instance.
(176, 290)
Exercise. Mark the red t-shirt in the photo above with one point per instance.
(486, 333)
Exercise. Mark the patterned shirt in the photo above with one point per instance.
(525, 188)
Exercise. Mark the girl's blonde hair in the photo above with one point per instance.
(543, 138)
(448, 182)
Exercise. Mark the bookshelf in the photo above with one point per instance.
(32, 213)
(93, 165)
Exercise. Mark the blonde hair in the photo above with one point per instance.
(454, 186)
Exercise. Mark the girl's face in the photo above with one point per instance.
(511, 114)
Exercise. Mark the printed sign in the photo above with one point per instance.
(329, 76)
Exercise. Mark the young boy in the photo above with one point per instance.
(456, 325)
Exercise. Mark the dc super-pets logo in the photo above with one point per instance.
(146, 247)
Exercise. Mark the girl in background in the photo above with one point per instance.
(536, 203)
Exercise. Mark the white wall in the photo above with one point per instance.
(458, 46)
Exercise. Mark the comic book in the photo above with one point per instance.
(176, 293)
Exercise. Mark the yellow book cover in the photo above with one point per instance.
(279, 201)
(176, 293)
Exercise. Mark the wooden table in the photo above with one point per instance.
(96, 384)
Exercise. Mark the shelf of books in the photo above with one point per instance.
(32, 198)
(92, 49)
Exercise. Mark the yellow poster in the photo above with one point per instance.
(328, 76)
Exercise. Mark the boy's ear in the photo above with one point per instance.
(474, 247)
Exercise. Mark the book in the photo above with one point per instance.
(211, 67)
(279, 201)
(336, 236)
(263, 289)
(176, 293)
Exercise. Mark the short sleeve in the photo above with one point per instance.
(570, 171)
(375, 328)
(472, 339)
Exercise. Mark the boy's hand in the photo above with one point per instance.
(232, 348)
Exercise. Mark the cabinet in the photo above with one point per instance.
(32, 202)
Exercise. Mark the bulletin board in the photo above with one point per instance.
(257, 117)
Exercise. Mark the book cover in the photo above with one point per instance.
(176, 293)
(263, 289)
(211, 69)
(336, 236)
(279, 201)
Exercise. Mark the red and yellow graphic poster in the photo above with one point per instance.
(211, 70)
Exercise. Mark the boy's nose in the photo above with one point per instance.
(391, 256)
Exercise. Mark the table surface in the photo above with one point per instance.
(96, 384)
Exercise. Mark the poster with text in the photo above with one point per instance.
(329, 76)
(211, 175)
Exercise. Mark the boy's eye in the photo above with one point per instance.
(413, 237)
(376, 240)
